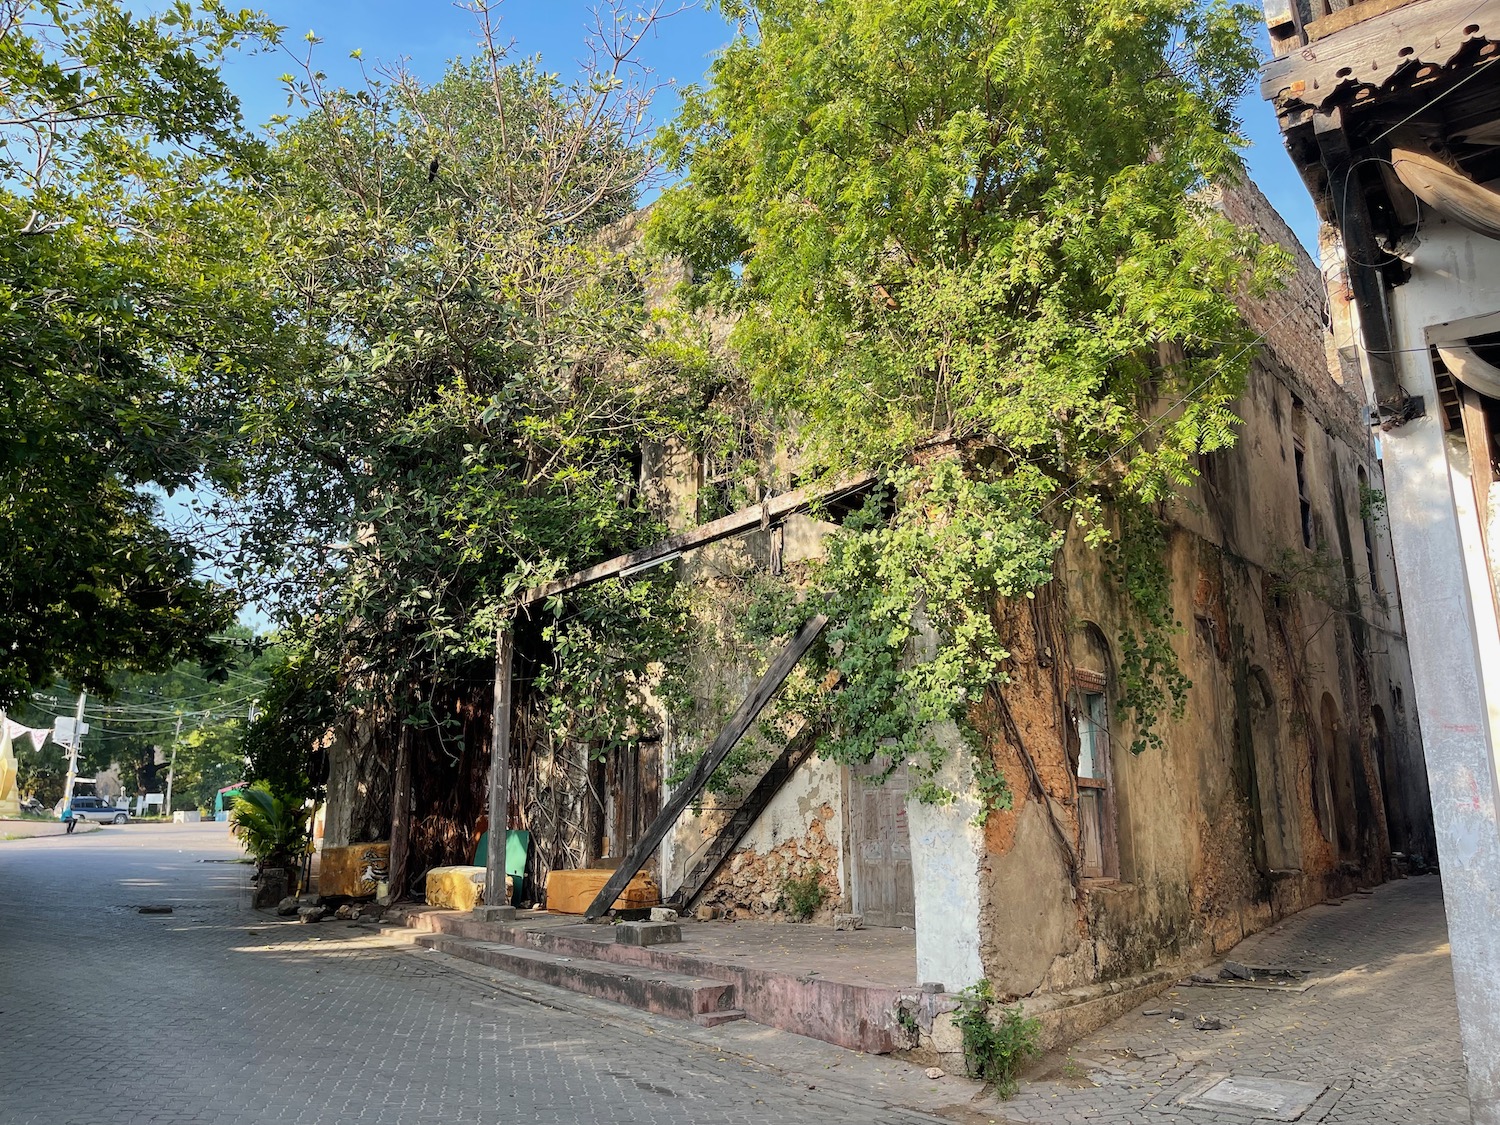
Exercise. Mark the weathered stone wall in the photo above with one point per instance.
(1269, 793)
(797, 837)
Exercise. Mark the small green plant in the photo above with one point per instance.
(803, 895)
(994, 1050)
(273, 829)
(906, 1020)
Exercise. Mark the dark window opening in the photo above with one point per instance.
(1304, 501)
(1367, 502)
(1299, 456)
(1096, 813)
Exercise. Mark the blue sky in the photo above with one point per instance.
(428, 33)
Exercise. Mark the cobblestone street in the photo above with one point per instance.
(216, 1014)
(1378, 1027)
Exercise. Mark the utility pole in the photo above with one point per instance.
(73, 749)
(172, 766)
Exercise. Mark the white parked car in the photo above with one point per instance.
(98, 810)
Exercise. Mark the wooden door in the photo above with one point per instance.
(881, 843)
(633, 784)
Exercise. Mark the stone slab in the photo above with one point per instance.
(1262, 1099)
(648, 933)
(677, 995)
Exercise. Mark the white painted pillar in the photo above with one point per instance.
(1449, 630)
(946, 851)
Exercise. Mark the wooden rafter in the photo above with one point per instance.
(761, 516)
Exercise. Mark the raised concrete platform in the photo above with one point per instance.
(805, 979)
(662, 993)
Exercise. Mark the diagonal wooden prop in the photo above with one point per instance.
(684, 794)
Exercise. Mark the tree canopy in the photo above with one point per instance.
(477, 374)
(412, 342)
(984, 225)
(126, 313)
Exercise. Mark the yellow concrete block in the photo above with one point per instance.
(353, 870)
(570, 892)
(10, 803)
(459, 887)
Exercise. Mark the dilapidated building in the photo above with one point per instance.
(1293, 775)
(1294, 772)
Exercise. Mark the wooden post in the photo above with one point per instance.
(497, 903)
(1391, 402)
(733, 731)
(400, 814)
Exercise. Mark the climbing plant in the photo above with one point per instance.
(1150, 684)
(968, 245)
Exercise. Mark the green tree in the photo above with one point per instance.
(478, 373)
(982, 224)
(138, 723)
(128, 315)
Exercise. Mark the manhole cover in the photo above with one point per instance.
(1265, 1099)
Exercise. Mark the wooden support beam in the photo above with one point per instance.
(1481, 471)
(685, 793)
(494, 868)
(1377, 47)
(1364, 255)
(774, 510)
(401, 814)
(743, 819)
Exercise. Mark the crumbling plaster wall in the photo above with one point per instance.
(802, 828)
(1193, 876)
(800, 832)
(1249, 773)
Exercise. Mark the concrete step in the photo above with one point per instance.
(714, 1019)
(860, 1017)
(677, 995)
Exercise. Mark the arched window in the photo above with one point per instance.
(1277, 802)
(1330, 781)
(1089, 715)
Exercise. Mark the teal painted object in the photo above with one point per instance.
(224, 798)
(517, 844)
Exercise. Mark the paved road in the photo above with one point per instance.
(214, 1015)
(1377, 1031)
